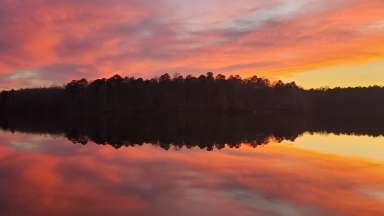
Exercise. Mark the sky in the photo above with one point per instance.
(317, 43)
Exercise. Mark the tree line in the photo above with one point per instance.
(207, 110)
(178, 94)
(207, 93)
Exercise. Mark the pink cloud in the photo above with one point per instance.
(145, 39)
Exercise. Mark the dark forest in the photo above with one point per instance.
(206, 111)
(203, 94)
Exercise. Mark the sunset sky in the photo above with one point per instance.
(313, 42)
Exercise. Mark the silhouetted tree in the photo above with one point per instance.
(183, 108)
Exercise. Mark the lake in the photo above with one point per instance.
(316, 174)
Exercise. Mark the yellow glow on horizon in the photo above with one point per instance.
(345, 75)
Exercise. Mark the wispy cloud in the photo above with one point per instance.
(273, 38)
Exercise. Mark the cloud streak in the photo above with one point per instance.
(100, 38)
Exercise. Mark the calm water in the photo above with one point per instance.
(314, 175)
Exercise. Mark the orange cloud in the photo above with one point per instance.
(98, 38)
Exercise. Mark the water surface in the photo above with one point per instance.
(317, 174)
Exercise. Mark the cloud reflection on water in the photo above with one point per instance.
(60, 178)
